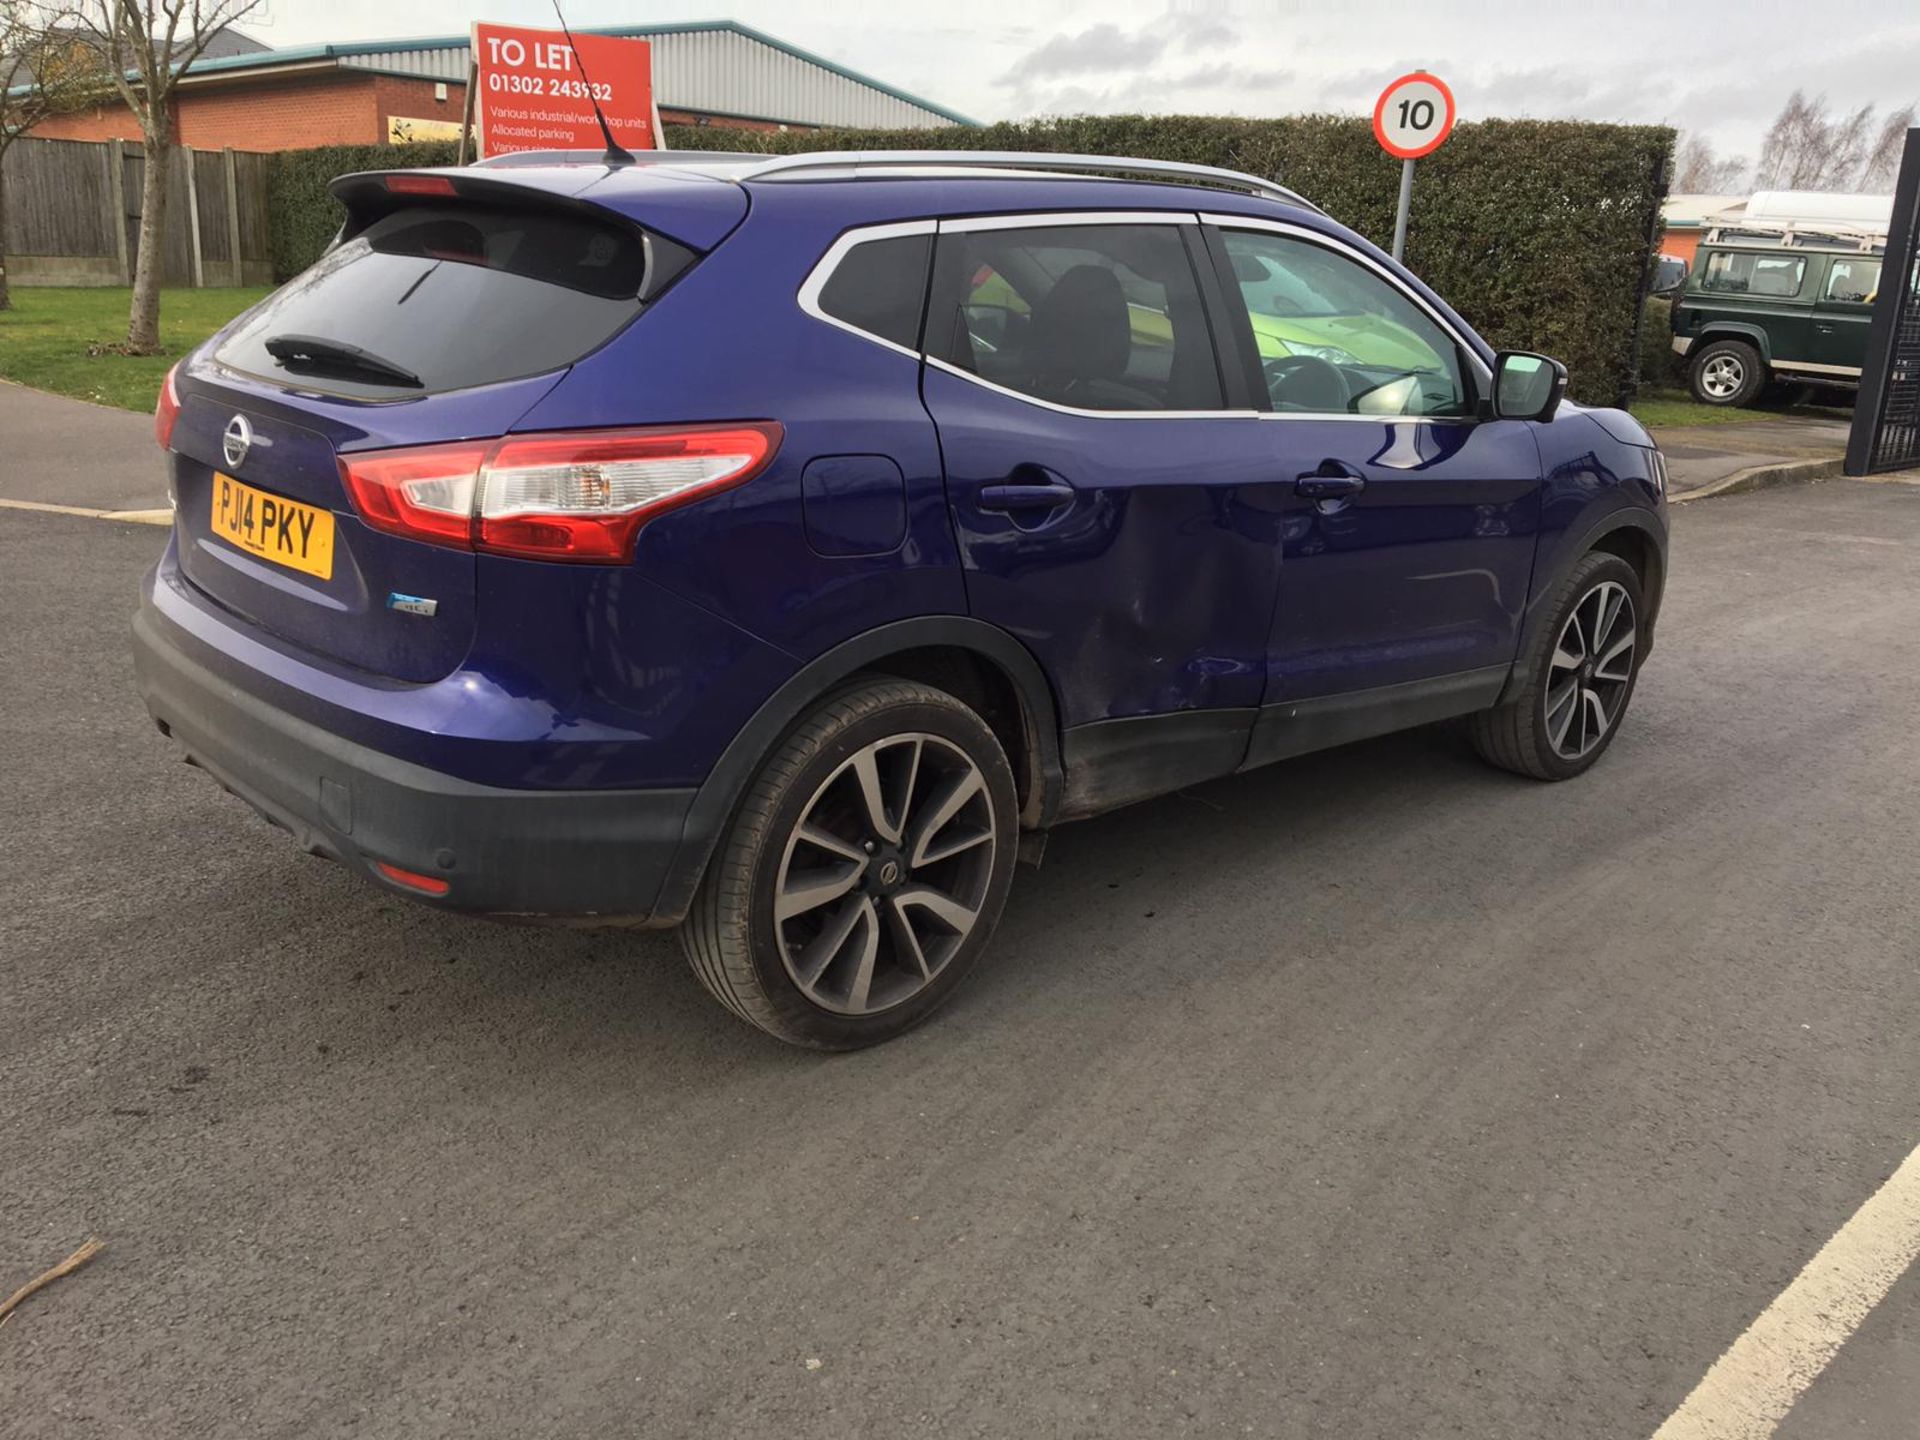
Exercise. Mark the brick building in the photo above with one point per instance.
(707, 73)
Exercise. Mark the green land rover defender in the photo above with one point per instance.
(1783, 304)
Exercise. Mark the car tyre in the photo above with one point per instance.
(1727, 372)
(864, 871)
(1583, 668)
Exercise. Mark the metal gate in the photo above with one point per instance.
(1886, 416)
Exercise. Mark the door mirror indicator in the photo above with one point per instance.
(1527, 386)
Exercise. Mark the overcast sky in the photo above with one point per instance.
(1721, 67)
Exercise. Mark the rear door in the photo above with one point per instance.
(1843, 312)
(1112, 498)
(1409, 522)
(1768, 289)
(441, 321)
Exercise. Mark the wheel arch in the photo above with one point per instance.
(1638, 537)
(1754, 335)
(951, 652)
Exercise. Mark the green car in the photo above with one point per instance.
(1786, 306)
(1304, 315)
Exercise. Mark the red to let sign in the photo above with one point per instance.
(533, 92)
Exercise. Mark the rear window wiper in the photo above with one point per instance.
(312, 352)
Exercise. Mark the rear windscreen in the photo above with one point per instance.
(451, 296)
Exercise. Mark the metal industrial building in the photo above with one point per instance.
(705, 73)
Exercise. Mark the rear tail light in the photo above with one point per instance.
(580, 495)
(166, 410)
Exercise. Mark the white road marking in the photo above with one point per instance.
(1750, 1388)
(137, 517)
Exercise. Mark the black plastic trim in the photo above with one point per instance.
(1631, 517)
(1111, 763)
(574, 853)
(1300, 726)
(714, 804)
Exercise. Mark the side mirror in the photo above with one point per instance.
(1527, 386)
(1669, 276)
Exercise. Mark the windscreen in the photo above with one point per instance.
(447, 297)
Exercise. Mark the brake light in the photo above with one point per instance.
(419, 185)
(578, 495)
(166, 410)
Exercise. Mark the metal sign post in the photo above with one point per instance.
(1400, 215)
(1413, 117)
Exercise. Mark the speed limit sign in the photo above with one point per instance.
(1413, 115)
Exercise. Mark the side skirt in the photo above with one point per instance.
(1112, 763)
(1300, 726)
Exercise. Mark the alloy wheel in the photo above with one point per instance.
(885, 872)
(1722, 376)
(1590, 669)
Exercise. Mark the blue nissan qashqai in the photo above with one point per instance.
(777, 547)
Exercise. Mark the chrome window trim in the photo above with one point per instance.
(850, 240)
(1051, 219)
(1058, 409)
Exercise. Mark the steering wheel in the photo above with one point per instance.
(1306, 382)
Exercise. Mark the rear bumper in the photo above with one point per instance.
(576, 853)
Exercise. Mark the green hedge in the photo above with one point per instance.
(1535, 230)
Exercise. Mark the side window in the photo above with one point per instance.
(1098, 317)
(1747, 272)
(1336, 338)
(879, 286)
(1853, 281)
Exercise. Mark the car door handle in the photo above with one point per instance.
(1333, 480)
(1046, 496)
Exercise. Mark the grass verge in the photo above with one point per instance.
(53, 338)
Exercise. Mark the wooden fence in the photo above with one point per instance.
(73, 214)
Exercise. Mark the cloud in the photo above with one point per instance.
(1100, 49)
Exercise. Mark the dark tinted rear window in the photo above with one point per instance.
(880, 286)
(459, 296)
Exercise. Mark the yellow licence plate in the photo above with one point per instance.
(273, 527)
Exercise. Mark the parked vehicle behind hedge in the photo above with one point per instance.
(1764, 306)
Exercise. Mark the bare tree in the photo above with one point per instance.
(1883, 160)
(43, 71)
(145, 45)
(1697, 170)
(1808, 148)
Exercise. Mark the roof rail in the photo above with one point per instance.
(859, 161)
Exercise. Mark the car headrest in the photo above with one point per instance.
(1082, 329)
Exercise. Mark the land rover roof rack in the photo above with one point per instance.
(1790, 234)
(863, 163)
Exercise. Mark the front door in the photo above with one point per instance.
(1113, 511)
(1409, 523)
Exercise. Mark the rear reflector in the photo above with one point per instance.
(425, 884)
(166, 410)
(578, 495)
(419, 185)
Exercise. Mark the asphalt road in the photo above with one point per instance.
(1373, 1095)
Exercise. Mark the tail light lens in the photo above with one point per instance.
(166, 410)
(580, 495)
